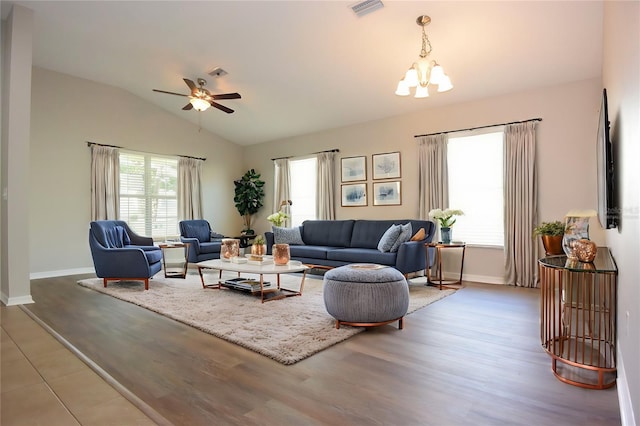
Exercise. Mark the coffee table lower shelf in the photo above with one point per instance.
(266, 293)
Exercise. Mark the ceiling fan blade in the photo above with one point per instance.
(169, 93)
(221, 107)
(191, 85)
(227, 96)
(187, 107)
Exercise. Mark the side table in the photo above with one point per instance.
(174, 266)
(438, 261)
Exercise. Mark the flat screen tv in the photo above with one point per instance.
(607, 208)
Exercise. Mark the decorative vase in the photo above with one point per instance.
(258, 249)
(281, 254)
(576, 228)
(552, 244)
(585, 250)
(445, 233)
(229, 248)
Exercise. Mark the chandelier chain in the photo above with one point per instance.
(425, 41)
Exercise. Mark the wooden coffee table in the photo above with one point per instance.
(266, 294)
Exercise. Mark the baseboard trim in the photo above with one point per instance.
(61, 273)
(126, 393)
(627, 417)
(20, 300)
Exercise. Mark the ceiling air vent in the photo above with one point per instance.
(366, 6)
(217, 72)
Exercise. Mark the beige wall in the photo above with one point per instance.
(621, 78)
(67, 112)
(565, 149)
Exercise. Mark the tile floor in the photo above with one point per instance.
(42, 382)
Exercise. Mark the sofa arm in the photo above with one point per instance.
(194, 248)
(269, 240)
(411, 257)
(120, 263)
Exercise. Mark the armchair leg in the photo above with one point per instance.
(104, 280)
(146, 283)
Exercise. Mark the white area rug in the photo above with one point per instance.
(286, 330)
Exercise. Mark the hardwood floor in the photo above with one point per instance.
(471, 358)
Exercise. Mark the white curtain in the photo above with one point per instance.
(282, 185)
(325, 184)
(520, 198)
(105, 182)
(433, 180)
(189, 188)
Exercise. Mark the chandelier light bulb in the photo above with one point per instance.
(411, 77)
(445, 84)
(437, 74)
(422, 91)
(403, 89)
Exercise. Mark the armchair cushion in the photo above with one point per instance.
(199, 229)
(117, 237)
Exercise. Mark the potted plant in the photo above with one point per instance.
(278, 218)
(551, 233)
(259, 246)
(446, 219)
(249, 193)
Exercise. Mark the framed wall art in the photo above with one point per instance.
(353, 168)
(387, 193)
(386, 166)
(354, 195)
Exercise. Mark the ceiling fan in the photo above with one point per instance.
(201, 98)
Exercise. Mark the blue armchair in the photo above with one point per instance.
(202, 247)
(121, 254)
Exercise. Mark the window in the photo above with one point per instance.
(303, 189)
(475, 166)
(148, 194)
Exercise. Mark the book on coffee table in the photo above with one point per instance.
(248, 284)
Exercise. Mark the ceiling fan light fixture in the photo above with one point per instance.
(200, 104)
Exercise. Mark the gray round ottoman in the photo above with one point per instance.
(366, 295)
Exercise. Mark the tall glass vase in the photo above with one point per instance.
(445, 234)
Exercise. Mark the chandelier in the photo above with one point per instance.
(424, 71)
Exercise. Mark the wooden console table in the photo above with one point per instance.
(578, 318)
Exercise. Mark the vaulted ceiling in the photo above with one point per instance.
(304, 66)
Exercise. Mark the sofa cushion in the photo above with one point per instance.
(289, 236)
(360, 255)
(419, 236)
(333, 233)
(389, 238)
(405, 235)
(314, 252)
(212, 247)
(367, 233)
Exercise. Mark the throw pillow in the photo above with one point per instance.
(389, 238)
(405, 235)
(289, 236)
(419, 236)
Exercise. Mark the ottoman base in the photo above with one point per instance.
(371, 324)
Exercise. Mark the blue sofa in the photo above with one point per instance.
(197, 232)
(120, 254)
(340, 242)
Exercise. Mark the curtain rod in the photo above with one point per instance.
(319, 152)
(479, 127)
(119, 147)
